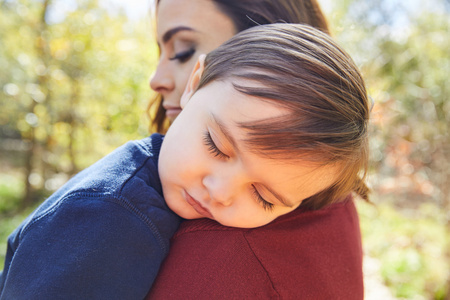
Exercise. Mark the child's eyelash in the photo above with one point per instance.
(266, 205)
(212, 146)
(183, 56)
(217, 153)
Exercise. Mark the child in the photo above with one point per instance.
(273, 119)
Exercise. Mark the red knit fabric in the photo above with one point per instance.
(301, 255)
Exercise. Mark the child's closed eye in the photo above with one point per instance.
(265, 204)
(212, 148)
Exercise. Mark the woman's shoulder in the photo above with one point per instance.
(321, 249)
(304, 254)
(298, 219)
(321, 219)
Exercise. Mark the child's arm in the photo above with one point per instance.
(103, 235)
(84, 249)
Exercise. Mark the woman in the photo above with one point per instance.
(187, 29)
(210, 261)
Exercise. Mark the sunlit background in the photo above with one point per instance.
(74, 86)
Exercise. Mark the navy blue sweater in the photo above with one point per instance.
(103, 235)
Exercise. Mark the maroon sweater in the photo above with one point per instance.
(301, 255)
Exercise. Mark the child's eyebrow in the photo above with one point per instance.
(279, 197)
(227, 134)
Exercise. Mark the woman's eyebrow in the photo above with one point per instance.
(169, 33)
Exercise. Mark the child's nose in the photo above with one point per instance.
(222, 188)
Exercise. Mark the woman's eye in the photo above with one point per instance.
(266, 205)
(183, 56)
(212, 148)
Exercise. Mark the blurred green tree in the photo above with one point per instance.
(402, 49)
(70, 92)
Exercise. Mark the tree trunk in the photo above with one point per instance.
(30, 158)
(74, 99)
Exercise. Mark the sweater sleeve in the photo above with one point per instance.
(86, 248)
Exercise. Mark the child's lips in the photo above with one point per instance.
(198, 207)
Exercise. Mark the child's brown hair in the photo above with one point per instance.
(304, 70)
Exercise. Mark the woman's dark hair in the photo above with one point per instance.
(246, 14)
(303, 70)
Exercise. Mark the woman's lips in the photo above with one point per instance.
(198, 207)
(172, 112)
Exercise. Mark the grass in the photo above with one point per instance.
(11, 191)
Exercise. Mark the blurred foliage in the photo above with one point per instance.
(73, 90)
(410, 247)
(402, 49)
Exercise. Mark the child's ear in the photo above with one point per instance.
(193, 81)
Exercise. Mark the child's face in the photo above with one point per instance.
(207, 171)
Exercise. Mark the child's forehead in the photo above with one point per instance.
(227, 100)
(257, 125)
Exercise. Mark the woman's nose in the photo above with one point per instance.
(161, 80)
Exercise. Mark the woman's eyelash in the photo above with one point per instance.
(183, 56)
(212, 146)
(266, 205)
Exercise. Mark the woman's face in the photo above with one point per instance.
(185, 29)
